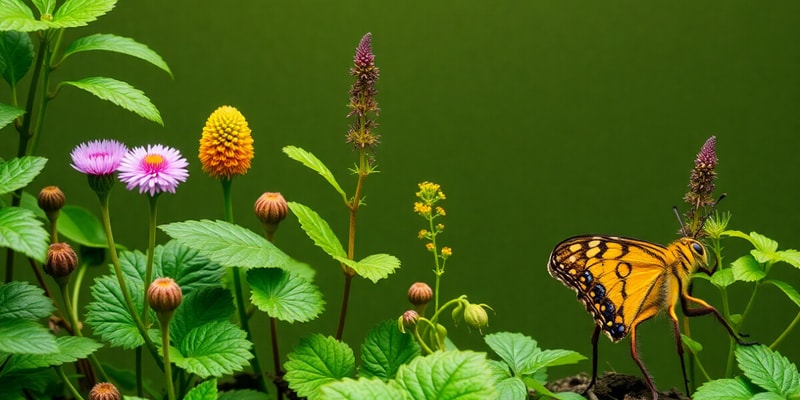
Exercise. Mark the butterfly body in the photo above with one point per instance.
(623, 282)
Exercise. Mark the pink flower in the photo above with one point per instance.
(98, 157)
(154, 170)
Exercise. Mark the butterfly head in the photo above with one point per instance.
(694, 252)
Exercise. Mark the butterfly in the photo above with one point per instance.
(624, 282)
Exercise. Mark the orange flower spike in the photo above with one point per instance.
(226, 146)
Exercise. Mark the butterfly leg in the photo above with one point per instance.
(708, 309)
(635, 355)
(595, 337)
(676, 329)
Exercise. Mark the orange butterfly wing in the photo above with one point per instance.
(621, 281)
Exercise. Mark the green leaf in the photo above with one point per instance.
(117, 44)
(81, 226)
(188, 267)
(80, 12)
(11, 385)
(516, 349)
(19, 172)
(374, 267)
(16, 55)
(108, 315)
(8, 114)
(723, 389)
(763, 243)
(45, 7)
(311, 161)
(512, 388)
(500, 370)
(723, 278)
(767, 396)
(70, 349)
(747, 269)
(232, 246)
(22, 232)
(198, 308)
(542, 390)
(768, 369)
(284, 295)
(120, 93)
(19, 336)
(739, 234)
(448, 375)
(788, 289)
(215, 349)
(362, 389)
(16, 16)
(691, 344)
(384, 350)
(790, 256)
(552, 358)
(24, 301)
(318, 360)
(204, 391)
(243, 395)
(318, 230)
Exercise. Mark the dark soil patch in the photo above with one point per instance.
(613, 386)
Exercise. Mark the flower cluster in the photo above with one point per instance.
(362, 97)
(701, 183)
(226, 145)
(429, 194)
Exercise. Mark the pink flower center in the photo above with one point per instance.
(153, 163)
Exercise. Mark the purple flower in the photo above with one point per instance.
(154, 170)
(98, 157)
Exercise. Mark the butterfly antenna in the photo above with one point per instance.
(713, 207)
(680, 220)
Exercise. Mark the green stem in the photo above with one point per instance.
(702, 369)
(76, 328)
(226, 194)
(67, 383)
(422, 343)
(112, 250)
(785, 333)
(151, 246)
(164, 319)
(435, 316)
(438, 271)
(44, 99)
(79, 274)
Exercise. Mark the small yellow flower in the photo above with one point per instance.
(441, 196)
(447, 252)
(430, 246)
(422, 233)
(422, 209)
(439, 227)
(226, 146)
(440, 211)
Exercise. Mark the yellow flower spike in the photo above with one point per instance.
(226, 146)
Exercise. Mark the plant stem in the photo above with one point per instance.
(238, 291)
(276, 356)
(785, 333)
(151, 245)
(437, 271)
(421, 342)
(76, 328)
(67, 383)
(164, 319)
(81, 272)
(343, 311)
(40, 278)
(139, 373)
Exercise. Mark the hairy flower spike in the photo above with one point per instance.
(362, 97)
(226, 146)
(104, 391)
(701, 182)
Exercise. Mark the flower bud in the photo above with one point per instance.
(61, 260)
(475, 316)
(271, 209)
(407, 320)
(51, 199)
(164, 295)
(104, 391)
(420, 294)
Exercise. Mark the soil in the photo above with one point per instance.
(613, 386)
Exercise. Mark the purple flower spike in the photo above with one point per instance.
(98, 157)
(155, 169)
(707, 157)
(364, 57)
(362, 97)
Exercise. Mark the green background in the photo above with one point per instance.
(540, 119)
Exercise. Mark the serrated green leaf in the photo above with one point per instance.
(188, 267)
(384, 350)
(70, 349)
(768, 396)
(19, 172)
(242, 395)
(790, 256)
(311, 161)
(19, 336)
(691, 344)
(316, 361)
(738, 234)
(723, 278)
(362, 389)
(16, 55)
(214, 349)
(500, 370)
(8, 114)
(284, 295)
(374, 267)
(36, 382)
(768, 369)
(552, 358)
(24, 301)
(233, 246)
(81, 226)
(318, 230)
(108, 315)
(723, 389)
(747, 269)
(204, 391)
(22, 232)
(198, 308)
(763, 243)
(80, 12)
(117, 44)
(120, 93)
(512, 388)
(15, 15)
(787, 289)
(448, 375)
(45, 7)
(516, 349)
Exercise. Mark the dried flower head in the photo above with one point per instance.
(104, 391)
(98, 157)
(164, 295)
(154, 169)
(701, 182)
(362, 97)
(51, 199)
(61, 260)
(226, 146)
(420, 294)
